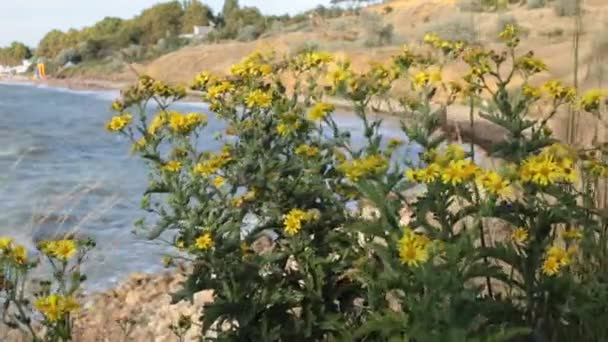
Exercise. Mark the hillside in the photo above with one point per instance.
(550, 36)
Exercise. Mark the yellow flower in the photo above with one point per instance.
(556, 258)
(60, 249)
(541, 170)
(459, 171)
(140, 145)
(184, 124)
(307, 150)
(559, 254)
(572, 234)
(119, 122)
(252, 66)
(363, 167)
(19, 254)
(157, 123)
(568, 172)
(55, 307)
(532, 92)
(561, 151)
(117, 106)
(531, 65)
(204, 169)
(551, 266)
(413, 175)
(311, 60)
(432, 39)
(413, 248)
(5, 243)
(435, 76)
(592, 100)
(172, 166)
(204, 242)
(558, 92)
(320, 111)
(292, 223)
(430, 173)
(219, 182)
(258, 98)
(283, 129)
(494, 183)
(520, 235)
(509, 33)
(213, 164)
(455, 152)
(201, 80)
(217, 91)
(421, 79)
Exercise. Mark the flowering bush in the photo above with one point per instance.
(509, 254)
(55, 299)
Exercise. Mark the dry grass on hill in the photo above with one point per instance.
(549, 35)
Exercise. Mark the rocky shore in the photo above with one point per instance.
(138, 310)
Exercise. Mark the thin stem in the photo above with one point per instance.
(576, 42)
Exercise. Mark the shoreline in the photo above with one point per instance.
(455, 123)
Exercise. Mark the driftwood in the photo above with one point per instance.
(483, 133)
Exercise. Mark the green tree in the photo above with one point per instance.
(108, 26)
(20, 51)
(195, 14)
(229, 7)
(14, 54)
(246, 17)
(51, 44)
(160, 21)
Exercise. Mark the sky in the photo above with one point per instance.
(29, 20)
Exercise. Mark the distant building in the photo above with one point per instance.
(19, 69)
(199, 32)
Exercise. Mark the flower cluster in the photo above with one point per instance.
(311, 60)
(494, 183)
(172, 166)
(292, 223)
(212, 164)
(520, 235)
(185, 123)
(544, 169)
(146, 89)
(531, 65)
(204, 242)
(592, 100)
(363, 167)
(447, 47)
(320, 111)
(15, 252)
(59, 249)
(56, 307)
(559, 92)
(253, 66)
(258, 98)
(307, 150)
(413, 248)
(119, 122)
(288, 124)
(555, 259)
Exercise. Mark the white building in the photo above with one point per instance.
(198, 32)
(19, 69)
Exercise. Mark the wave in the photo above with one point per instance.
(23, 151)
